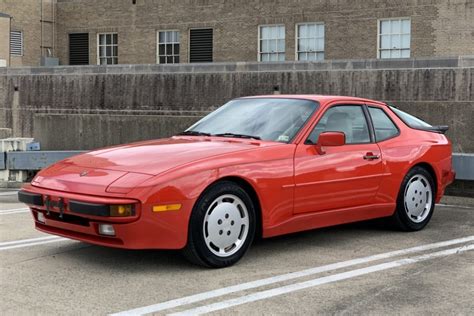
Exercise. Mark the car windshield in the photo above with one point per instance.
(272, 119)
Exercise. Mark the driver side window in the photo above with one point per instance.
(349, 119)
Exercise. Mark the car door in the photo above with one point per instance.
(336, 177)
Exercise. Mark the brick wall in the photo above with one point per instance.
(454, 28)
(5, 39)
(438, 27)
(26, 17)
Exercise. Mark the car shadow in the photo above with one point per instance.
(122, 260)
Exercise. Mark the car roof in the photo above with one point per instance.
(323, 99)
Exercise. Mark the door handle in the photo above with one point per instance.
(371, 156)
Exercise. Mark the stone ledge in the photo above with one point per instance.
(350, 64)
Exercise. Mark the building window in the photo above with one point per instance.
(16, 43)
(394, 38)
(107, 48)
(79, 49)
(310, 41)
(200, 45)
(271, 43)
(168, 47)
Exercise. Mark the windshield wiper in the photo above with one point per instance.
(194, 133)
(236, 135)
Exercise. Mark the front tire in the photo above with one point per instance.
(416, 200)
(221, 227)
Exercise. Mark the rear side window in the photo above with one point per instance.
(383, 125)
(410, 120)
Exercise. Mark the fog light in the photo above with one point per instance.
(106, 229)
(122, 210)
(40, 217)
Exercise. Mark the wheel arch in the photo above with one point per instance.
(252, 192)
(430, 169)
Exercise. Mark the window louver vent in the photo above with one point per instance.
(200, 46)
(79, 49)
(16, 43)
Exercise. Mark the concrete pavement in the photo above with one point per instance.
(43, 275)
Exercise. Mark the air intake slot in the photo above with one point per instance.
(200, 45)
(79, 49)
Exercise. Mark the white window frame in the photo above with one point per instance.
(259, 30)
(22, 46)
(379, 43)
(166, 55)
(297, 37)
(98, 47)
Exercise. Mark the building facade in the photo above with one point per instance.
(31, 31)
(180, 31)
(4, 40)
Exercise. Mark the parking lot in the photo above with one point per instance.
(361, 268)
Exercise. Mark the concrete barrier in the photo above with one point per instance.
(86, 107)
(7, 174)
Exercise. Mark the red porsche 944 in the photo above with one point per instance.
(257, 166)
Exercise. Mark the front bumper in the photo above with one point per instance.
(144, 230)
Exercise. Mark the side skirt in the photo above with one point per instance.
(307, 221)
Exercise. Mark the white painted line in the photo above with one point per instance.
(22, 241)
(320, 281)
(285, 277)
(30, 242)
(14, 211)
(8, 193)
(455, 206)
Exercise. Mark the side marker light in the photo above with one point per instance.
(167, 207)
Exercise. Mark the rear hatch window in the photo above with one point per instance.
(417, 123)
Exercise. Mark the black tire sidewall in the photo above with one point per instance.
(404, 220)
(197, 218)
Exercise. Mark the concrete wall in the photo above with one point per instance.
(92, 106)
(87, 131)
(438, 27)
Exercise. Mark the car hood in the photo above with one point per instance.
(157, 156)
(96, 170)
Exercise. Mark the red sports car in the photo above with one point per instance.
(257, 166)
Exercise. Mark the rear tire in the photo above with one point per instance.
(221, 227)
(415, 201)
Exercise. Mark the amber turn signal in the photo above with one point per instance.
(167, 207)
(122, 210)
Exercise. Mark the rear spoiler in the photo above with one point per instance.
(442, 129)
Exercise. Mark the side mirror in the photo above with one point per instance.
(331, 139)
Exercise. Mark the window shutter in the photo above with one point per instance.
(200, 45)
(79, 49)
(16, 43)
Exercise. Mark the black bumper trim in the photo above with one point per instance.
(30, 198)
(89, 208)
